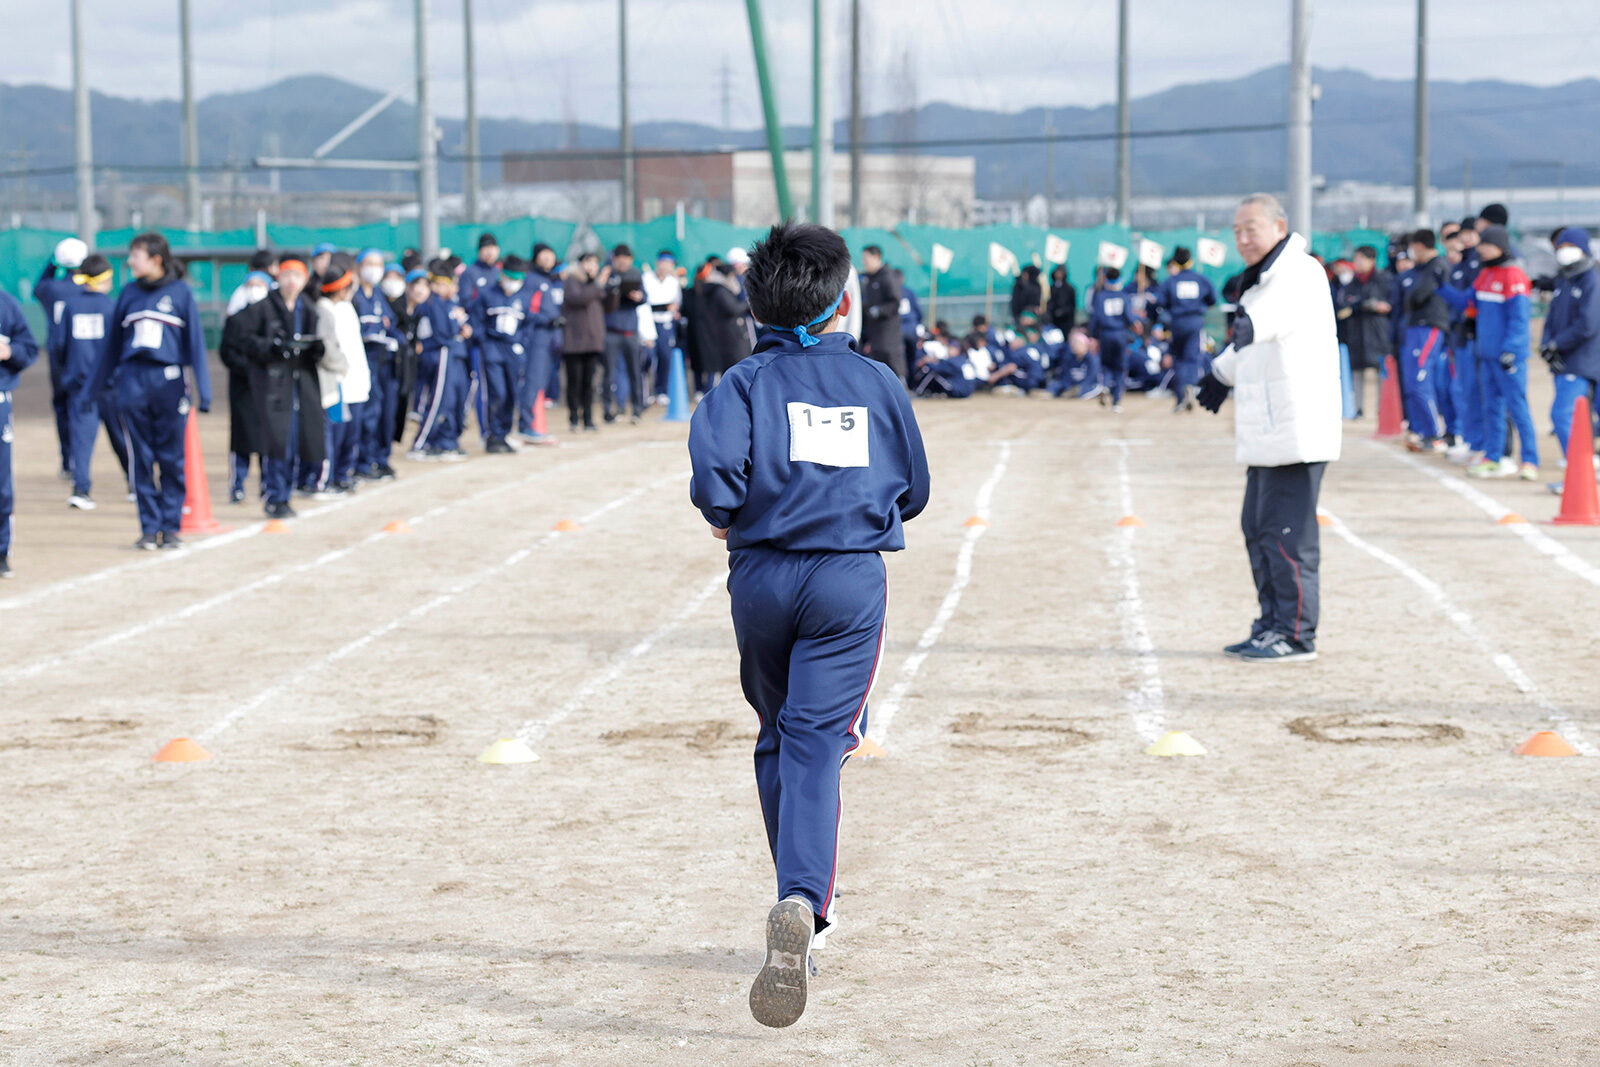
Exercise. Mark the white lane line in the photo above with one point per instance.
(232, 537)
(882, 715)
(1463, 622)
(1540, 541)
(535, 730)
(425, 608)
(1147, 700)
(31, 670)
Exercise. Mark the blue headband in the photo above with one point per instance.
(806, 340)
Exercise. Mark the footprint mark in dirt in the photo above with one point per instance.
(705, 737)
(1015, 733)
(401, 731)
(65, 731)
(1350, 729)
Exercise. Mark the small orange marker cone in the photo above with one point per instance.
(567, 526)
(1130, 520)
(1324, 519)
(181, 750)
(397, 526)
(1545, 743)
(869, 749)
(1512, 519)
(275, 526)
(975, 521)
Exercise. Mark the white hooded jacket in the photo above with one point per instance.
(340, 327)
(1287, 399)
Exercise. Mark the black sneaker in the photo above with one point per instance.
(5, 567)
(280, 511)
(1238, 648)
(236, 496)
(385, 472)
(171, 540)
(497, 446)
(1275, 648)
(147, 543)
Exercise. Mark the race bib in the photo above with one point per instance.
(147, 334)
(1187, 290)
(905, 305)
(88, 327)
(830, 437)
(1113, 306)
(424, 329)
(559, 296)
(506, 323)
(172, 372)
(1052, 336)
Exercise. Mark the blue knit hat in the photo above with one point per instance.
(258, 277)
(325, 246)
(416, 275)
(1574, 236)
(365, 252)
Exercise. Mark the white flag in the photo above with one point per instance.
(1056, 248)
(1001, 259)
(1211, 253)
(941, 259)
(1150, 254)
(1112, 255)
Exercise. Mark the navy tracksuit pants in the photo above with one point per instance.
(449, 379)
(500, 385)
(278, 475)
(378, 414)
(83, 426)
(7, 493)
(60, 404)
(1281, 535)
(155, 406)
(1423, 359)
(810, 633)
(1186, 357)
(1114, 365)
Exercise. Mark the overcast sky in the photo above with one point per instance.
(539, 58)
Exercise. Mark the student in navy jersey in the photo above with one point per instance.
(77, 343)
(155, 334)
(17, 352)
(807, 460)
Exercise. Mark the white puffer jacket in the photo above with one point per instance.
(1287, 399)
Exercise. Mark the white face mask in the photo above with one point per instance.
(1345, 277)
(393, 288)
(371, 275)
(254, 293)
(1567, 255)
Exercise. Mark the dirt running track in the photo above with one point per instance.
(1359, 871)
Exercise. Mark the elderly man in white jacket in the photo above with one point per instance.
(1282, 366)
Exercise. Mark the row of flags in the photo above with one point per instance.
(1004, 262)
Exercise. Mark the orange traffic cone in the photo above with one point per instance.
(538, 414)
(197, 517)
(1579, 505)
(1391, 422)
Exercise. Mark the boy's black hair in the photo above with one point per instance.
(796, 272)
(980, 320)
(263, 259)
(93, 265)
(1424, 237)
(874, 249)
(622, 250)
(1368, 251)
(1113, 274)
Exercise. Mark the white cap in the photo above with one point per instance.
(70, 253)
(738, 256)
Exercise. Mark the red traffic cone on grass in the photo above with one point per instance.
(1579, 503)
(1390, 420)
(197, 517)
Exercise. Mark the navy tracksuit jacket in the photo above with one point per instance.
(1111, 318)
(1184, 297)
(539, 369)
(811, 459)
(382, 339)
(78, 343)
(14, 332)
(50, 290)
(155, 333)
(500, 325)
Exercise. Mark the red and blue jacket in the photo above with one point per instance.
(1501, 301)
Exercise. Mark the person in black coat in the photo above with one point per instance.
(1026, 294)
(880, 313)
(721, 324)
(244, 423)
(1061, 310)
(1363, 308)
(277, 336)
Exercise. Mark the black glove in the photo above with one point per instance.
(315, 348)
(1544, 283)
(279, 349)
(1213, 392)
(1243, 335)
(1552, 356)
(1508, 360)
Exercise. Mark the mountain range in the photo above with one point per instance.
(1513, 134)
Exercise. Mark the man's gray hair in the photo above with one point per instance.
(1269, 206)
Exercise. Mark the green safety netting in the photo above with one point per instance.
(909, 247)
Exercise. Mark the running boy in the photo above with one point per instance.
(807, 459)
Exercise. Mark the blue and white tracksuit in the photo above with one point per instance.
(1426, 318)
(155, 333)
(811, 459)
(1467, 388)
(500, 327)
(955, 377)
(1111, 319)
(1573, 326)
(1184, 297)
(50, 290)
(539, 345)
(382, 340)
(443, 373)
(14, 332)
(78, 343)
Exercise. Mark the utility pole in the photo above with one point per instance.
(769, 109)
(470, 177)
(1124, 164)
(80, 125)
(191, 138)
(627, 125)
(427, 149)
(1419, 195)
(821, 115)
(1299, 162)
(855, 112)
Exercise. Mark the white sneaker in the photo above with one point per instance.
(778, 995)
(1459, 453)
(1116, 409)
(1528, 472)
(81, 501)
(1507, 468)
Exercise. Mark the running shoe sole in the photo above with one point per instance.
(778, 997)
(1293, 657)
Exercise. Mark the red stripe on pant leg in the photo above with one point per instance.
(1427, 348)
(1299, 591)
(838, 815)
